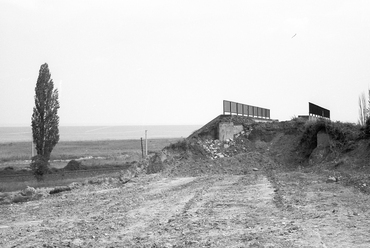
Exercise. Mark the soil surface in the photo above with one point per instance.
(254, 209)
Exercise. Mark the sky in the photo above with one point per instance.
(174, 62)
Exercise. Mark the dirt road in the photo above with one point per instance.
(252, 210)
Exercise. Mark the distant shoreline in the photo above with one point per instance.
(102, 140)
(99, 140)
(99, 133)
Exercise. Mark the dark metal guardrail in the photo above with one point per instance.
(245, 110)
(315, 110)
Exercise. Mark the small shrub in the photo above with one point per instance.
(73, 165)
(8, 170)
(367, 128)
(155, 164)
(343, 132)
(181, 145)
(39, 166)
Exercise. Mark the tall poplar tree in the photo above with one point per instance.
(45, 119)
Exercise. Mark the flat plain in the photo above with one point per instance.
(96, 155)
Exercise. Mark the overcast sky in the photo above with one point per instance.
(173, 62)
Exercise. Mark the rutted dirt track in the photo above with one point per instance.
(289, 210)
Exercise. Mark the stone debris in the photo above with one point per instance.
(28, 194)
(331, 179)
(126, 176)
(230, 147)
(215, 148)
(29, 191)
(75, 185)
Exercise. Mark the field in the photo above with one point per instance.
(100, 156)
(16, 151)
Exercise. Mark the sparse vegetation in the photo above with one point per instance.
(343, 134)
(67, 150)
(181, 145)
(186, 148)
(367, 128)
(100, 157)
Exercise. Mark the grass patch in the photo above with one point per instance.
(59, 177)
(110, 150)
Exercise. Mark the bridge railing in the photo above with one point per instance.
(245, 110)
(315, 110)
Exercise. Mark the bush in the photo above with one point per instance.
(155, 164)
(9, 170)
(39, 166)
(367, 128)
(181, 145)
(343, 134)
(186, 148)
(74, 165)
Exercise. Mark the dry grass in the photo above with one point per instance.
(110, 153)
(108, 149)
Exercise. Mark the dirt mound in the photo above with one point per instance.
(291, 144)
(198, 155)
(240, 164)
(74, 165)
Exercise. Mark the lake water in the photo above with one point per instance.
(83, 133)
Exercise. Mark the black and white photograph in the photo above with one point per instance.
(182, 123)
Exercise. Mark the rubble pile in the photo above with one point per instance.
(217, 149)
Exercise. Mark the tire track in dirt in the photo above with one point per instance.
(156, 211)
(206, 211)
(218, 217)
(215, 211)
(327, 214)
